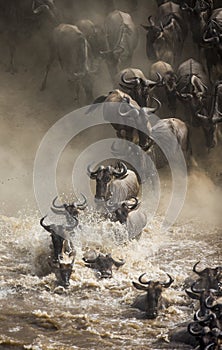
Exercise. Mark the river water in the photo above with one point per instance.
(36, 313)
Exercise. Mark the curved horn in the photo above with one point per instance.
(201, 318)
(150, 21)
(205, 119)
(154, 109)
(210, 346)
(140, 279)
(210, 39)
(192, 295)
(134, 112)
(167, 284)
(83, 204)
(134, 205)
(92, 173)
(195, 270)
(121, 172)
(56, 205)
(57, 211)
(185, 7)
(195, 290)
(217, 120)
(154, 83)
(186, 96)
(39, 9)
(133, 80)
(192, 331)
(46, 227)
(207, 304)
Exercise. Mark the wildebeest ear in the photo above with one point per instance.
(139, 286)
(192, 295)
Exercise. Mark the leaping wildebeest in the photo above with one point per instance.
(132, 215)
(63, 250)
(165, 36)
(70, 211)
(151, 301)
(114, 183)
(121, 40)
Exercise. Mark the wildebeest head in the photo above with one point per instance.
(210, 121)
(48, 7)
(141, 118)
(198, 292)
(212, 33)
(103, 176)
(153, 32)
(139, 88)
(69, 210)
(210, 277)
(103, 264)
(150, 302)
(121, 213)
(58, 234)
(65, 261)
(193, 92)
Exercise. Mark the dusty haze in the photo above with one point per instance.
(27, 114)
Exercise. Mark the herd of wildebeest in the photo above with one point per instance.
(193, 84)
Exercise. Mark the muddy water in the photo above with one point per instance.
(37, 314)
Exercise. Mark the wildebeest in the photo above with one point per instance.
(165, 38)
(70, 46)
(209, 277)
(102, 264)
(173, 132)
(192, 86)
(16, 23)
(133, 82)
(132, 215)
(198, 13)
(165, 92)
(121, 40)
(95, 37)
(150, 302)
(114, 183)
(212, 41)
(63, 250)
(211, 116)
(70, 211)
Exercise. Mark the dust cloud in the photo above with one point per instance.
(27, 113)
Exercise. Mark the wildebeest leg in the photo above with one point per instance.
(112, 67)
(48, 66)
(88, 87)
